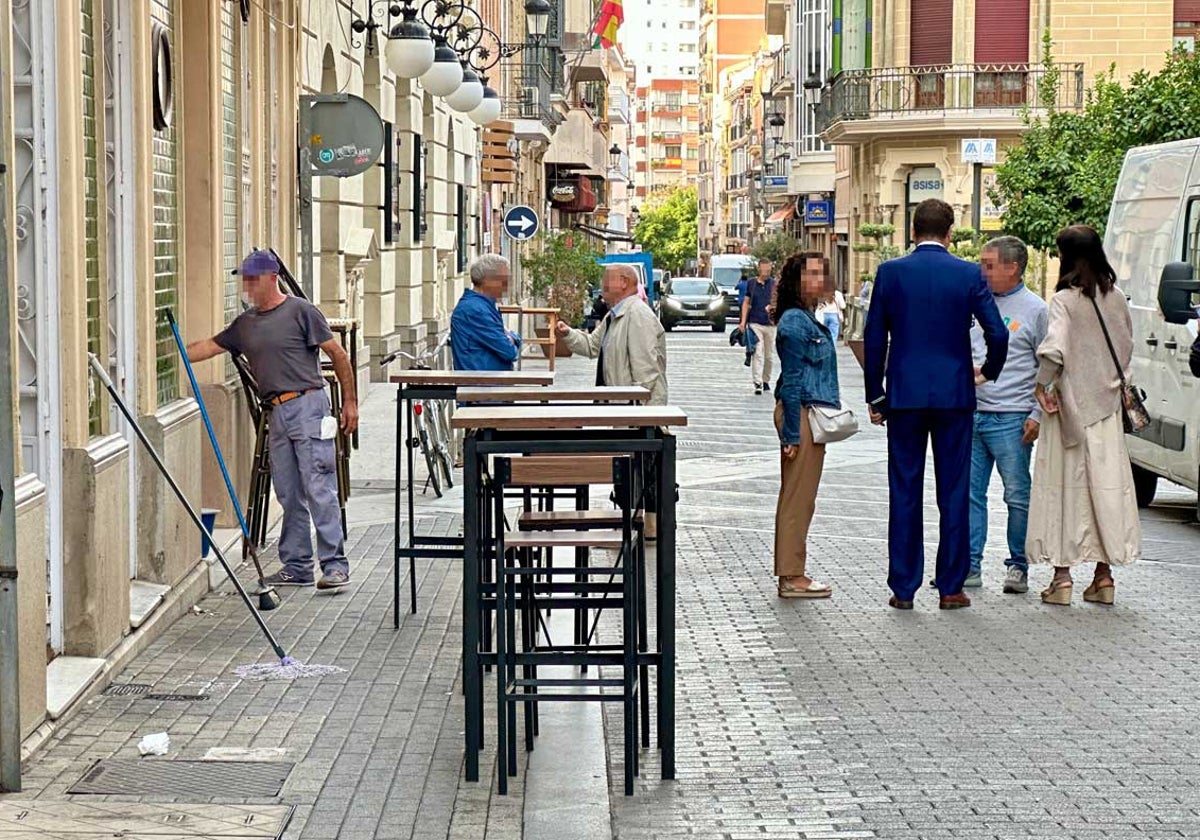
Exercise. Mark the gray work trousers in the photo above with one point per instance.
(304, 473)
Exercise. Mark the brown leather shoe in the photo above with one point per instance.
(897, 604)
(954, 602)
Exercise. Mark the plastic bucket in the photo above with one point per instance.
(209, 517)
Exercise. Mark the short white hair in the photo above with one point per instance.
(487, 265)
(623, 270)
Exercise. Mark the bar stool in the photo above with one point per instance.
(525, 588)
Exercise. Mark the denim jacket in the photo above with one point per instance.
(808, 362)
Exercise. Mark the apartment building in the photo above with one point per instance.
(912, 83)
(731, 32)
(152, 146)
(663, 35)
(666, 136)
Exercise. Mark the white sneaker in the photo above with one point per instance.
(1016, 581)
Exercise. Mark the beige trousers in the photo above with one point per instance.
(800, 477)
(764, 350)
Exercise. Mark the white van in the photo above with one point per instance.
(726, 271)
(1153, 243)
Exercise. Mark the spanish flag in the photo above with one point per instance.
(608, 21)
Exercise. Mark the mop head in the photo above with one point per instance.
(285, 669)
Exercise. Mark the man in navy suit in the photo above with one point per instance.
(919, 329)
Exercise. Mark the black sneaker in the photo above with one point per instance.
(749, 356)
(285, 578)
(767, 387)
(758, 390)
(333, 580)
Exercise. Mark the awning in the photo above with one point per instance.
(779, 216)
(606, 234)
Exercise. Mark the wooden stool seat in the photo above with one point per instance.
(612, 540)
(549, 520)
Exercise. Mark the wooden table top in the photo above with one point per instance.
(534, 394)
(474, 377)
(541, 417)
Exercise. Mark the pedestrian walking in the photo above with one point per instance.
(919, 330)
(478, 339)
(1083, 507)
(630, 348)
(756, 315)
(1008, 416)
(281, 337)
(808, 377)
(831, 312)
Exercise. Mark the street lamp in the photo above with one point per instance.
(409, 51)
(614, 156)
(812, 90)
(537, 19)
(469, 94)
(446, 74)
(776, 121)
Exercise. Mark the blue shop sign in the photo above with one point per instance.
(818, 212)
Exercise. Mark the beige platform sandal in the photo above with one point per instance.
(1058, 592)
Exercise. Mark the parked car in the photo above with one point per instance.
(692, 300)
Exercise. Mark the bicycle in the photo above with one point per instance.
(431, 422)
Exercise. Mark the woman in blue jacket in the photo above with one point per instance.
(808, 361)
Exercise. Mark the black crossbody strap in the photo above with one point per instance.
(1107, 340)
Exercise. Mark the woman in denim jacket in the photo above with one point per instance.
(808, 359)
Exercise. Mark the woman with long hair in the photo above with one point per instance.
(1083, 507)
(808, 365)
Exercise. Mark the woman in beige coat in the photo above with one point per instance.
(1083, 507)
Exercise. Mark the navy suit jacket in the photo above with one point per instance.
(919, 329)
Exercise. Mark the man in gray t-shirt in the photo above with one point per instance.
(1007, 419)
(282, 338)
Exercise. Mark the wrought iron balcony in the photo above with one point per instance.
(529, 83)
(959, 93)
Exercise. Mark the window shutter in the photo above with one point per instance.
(1002, 31)
(1187, 11)
(931, 33)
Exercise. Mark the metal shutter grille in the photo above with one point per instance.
(931, 33)
(91, 205)
(1002, 32)
(166, 231)
(1187, 11)
(229, 171)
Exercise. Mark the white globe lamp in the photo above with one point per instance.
(446, 74)
(469, 93)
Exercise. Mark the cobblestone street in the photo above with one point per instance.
(834, 719)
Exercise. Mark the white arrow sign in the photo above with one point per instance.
(520, 222)
(524, 223)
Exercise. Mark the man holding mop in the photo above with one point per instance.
(281, 337)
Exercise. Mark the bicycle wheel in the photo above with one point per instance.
(441, 440)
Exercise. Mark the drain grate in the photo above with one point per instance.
(192, 779)
(176, 697)
(125, 689)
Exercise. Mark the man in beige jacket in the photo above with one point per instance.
(629, 342)
(631, 349)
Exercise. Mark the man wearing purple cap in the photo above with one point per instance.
(281, 337)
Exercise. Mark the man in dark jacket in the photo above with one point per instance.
(919, 329)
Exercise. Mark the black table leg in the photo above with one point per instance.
(666, 604)
(412, 529)
(472, 678)
(396, 527)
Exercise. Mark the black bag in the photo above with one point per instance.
(1134, 415)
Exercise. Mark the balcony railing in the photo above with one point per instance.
(783, 70)
(530, 85)
(890, 92)
(737, 182)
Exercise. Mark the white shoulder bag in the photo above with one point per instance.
(830, 425)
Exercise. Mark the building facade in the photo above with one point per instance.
(915, 88)
(667, 136)
(152, 146)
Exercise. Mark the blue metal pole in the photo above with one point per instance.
(212, 436)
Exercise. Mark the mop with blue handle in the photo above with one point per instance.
(287, 667)
(268, 598)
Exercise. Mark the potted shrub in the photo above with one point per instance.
(560, 274)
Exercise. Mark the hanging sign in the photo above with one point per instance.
(346, 136)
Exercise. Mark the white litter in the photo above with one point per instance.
(156, 744)
(285, 669)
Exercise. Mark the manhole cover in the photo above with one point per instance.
(178, 697)
(125, 689)
(82, 820)
(190, 779)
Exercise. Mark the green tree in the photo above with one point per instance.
(667, 229)
(1065, 169)
(777, 248)
(562, 271)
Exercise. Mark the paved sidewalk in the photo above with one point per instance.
(835, 719)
